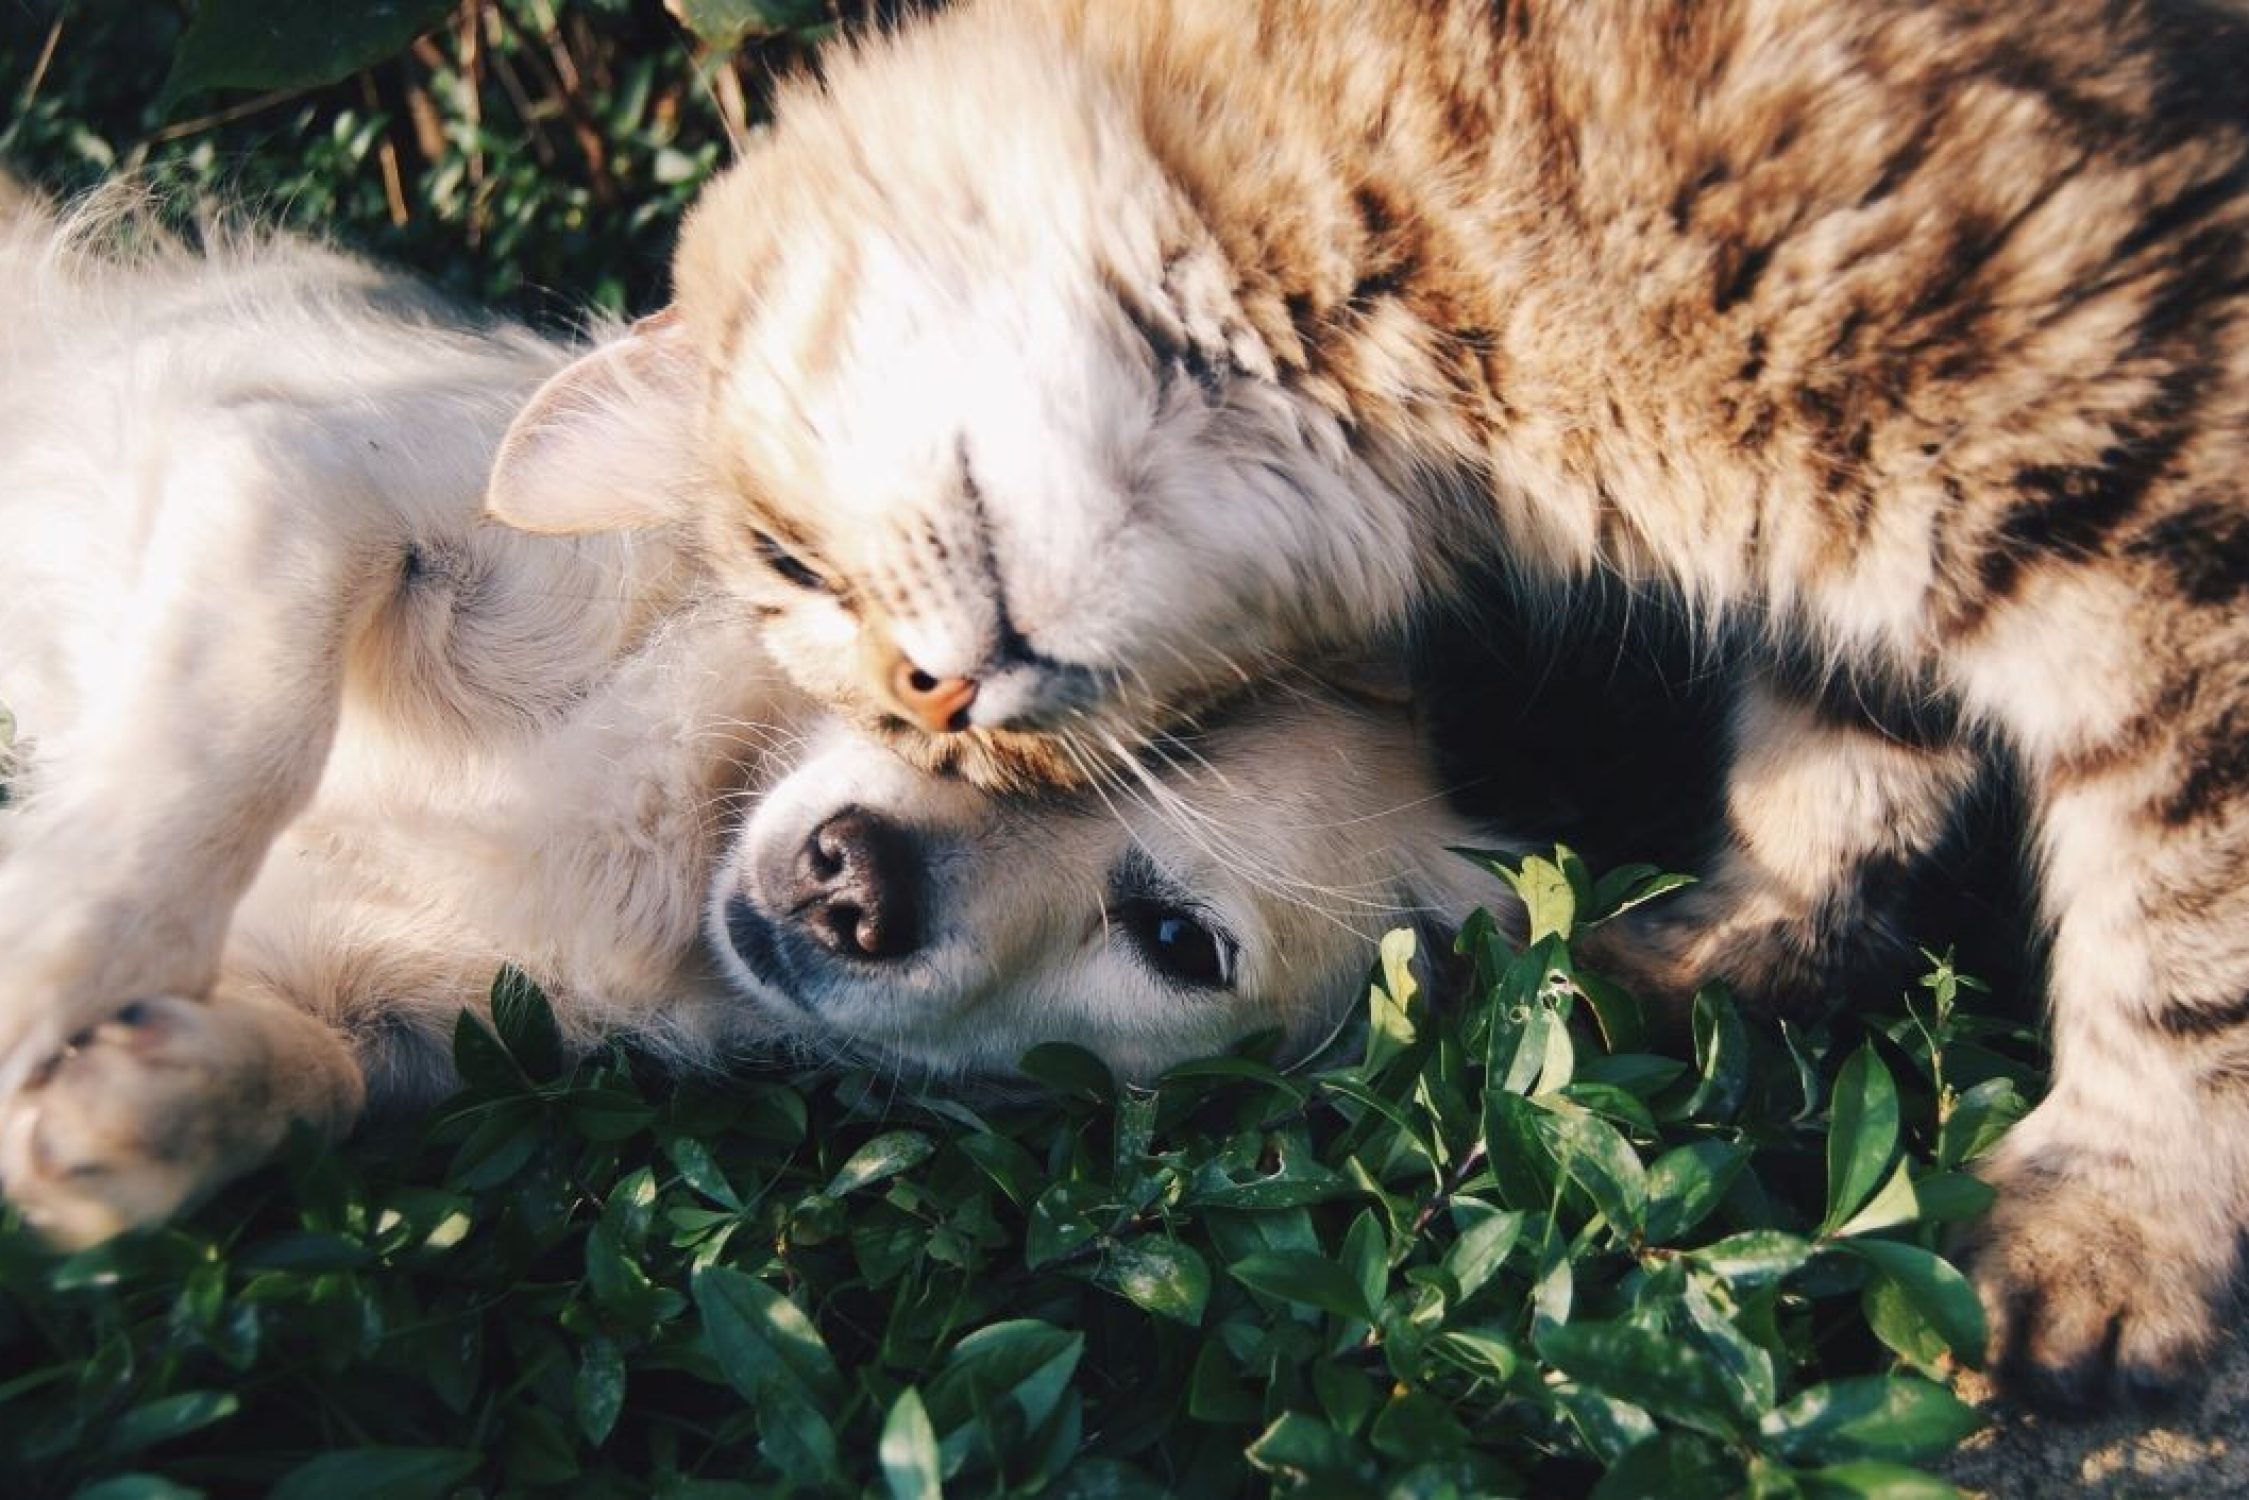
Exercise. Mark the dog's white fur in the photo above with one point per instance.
(306, 750)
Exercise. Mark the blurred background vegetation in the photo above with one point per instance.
(534, 155)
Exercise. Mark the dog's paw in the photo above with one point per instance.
(2095, 1295)
(137, 1117)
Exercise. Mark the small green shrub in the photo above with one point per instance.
(529, 154)
(1505, 1247)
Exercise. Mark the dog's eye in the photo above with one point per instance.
(786, 563)
(1178, 944)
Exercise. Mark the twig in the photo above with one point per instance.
(527, 109)
(233, 112)
(472, 104)
(386, 154)
(39, 68)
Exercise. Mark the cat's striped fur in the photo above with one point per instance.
(1126, 347)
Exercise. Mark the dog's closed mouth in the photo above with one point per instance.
(757, 942)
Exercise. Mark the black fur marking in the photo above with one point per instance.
(1739, 268)
(2204, 547)
(2190, 1022)
(2071, 510)
(2220, 775)
(1690, 193)
(1171, 353)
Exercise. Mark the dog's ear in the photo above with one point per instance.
(1379, 676)
(605, 443)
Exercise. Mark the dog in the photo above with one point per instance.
(304, 750)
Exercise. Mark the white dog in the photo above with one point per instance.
(303, 749)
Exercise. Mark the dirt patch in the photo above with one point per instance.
(2198, 1448)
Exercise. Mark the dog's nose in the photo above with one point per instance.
(938, 704)
(856, 889)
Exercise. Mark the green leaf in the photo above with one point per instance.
(1015, 1171)
(1486, 1235)
(1900, 1324)
(1686, 1183)
(1979, 1118)
(483, 1063)
(1721, 1057)
(885, 1156)
(286, 44)
(1415, 1426)
(606, 1114)
(377, 1474)
(1366, 1255)
(1948, 1197)
(1070, 1071)
(1756, 1257)
(1627, 886)
(1877, 1481)
(1390, 1000)
(137, 1487)
(1304, 1279)
(525, 1022)
(1022, 1362)
(1670, 1466)
(1897, 1202)
(1301, 1445)
(910, 1462)
(797, 1436)
(760, 1338)
(1862, 1134)
(1599, 1159)
(1063, 1220)
(693, 1161)
(1163, 1276)
(1900, 1417)
(724, 25)
(1934, 1287)
(599, 1390)
(1659, 1373)
(1549, 898)
(502, 1144)
(168, 1417)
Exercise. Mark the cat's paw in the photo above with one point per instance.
(138, 1116)
(1663, 956)
(2097, 1295)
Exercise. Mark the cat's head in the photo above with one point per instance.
(959, 395)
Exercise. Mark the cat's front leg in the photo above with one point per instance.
(2107, 1265)
(1826, 814)
(149, 1110)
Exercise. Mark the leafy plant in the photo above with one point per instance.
(1518, 1245)
(531, 154)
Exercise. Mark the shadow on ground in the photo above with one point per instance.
(2198, 1448)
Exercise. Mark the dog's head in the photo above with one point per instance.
(970, 407)
(917, 922)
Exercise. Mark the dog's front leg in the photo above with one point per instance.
(207, 705)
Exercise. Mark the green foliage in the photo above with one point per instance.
(1514, 1249)
(534, 154)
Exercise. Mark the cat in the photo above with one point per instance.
(1051, 370)
(303, 752)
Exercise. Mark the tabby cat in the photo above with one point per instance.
(1052, 369)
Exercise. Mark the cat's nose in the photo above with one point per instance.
(855, 889)
(938, 704)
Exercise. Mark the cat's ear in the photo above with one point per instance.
(605, 444)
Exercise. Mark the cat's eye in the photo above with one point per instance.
(1179, 944)
(786, 563)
